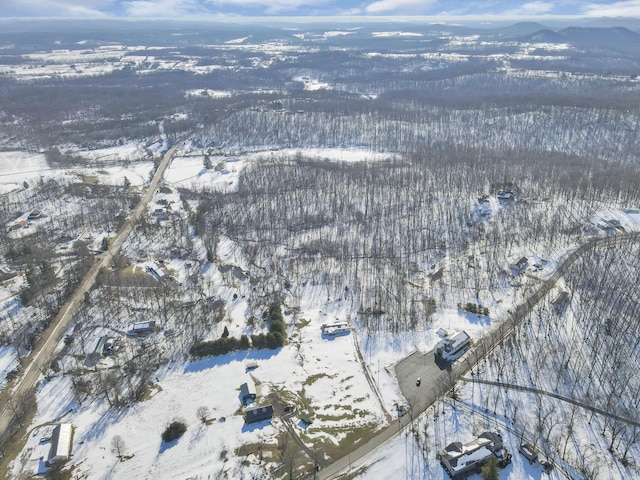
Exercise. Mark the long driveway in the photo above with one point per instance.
(438, 380)
(42, 354)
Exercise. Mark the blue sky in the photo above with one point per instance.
(200, 8)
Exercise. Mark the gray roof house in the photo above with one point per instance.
(462, 460)
(248, 392)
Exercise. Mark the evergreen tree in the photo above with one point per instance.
(490, 470)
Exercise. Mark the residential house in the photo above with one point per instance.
(462, 460)
(338, 328)
(142, 328)
(521, 265)
(258, 414)
(450, 348)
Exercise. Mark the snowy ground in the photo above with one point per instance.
(8, 361)
(18, 167)
(136, 173)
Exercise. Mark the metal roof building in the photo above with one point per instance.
(60, 443)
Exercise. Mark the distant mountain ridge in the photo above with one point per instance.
(545, 36)
(619, 39)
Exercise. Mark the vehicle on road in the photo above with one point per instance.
(418, 382)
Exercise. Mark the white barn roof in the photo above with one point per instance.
(60, 443)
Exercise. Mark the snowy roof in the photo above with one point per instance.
(143, 326)
(458, 339)
(458, 458)
(60, 442)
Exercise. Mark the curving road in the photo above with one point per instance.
(438, 380)
(43, 353)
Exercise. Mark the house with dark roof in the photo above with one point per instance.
(521, 265)
(248, 392)
(258, 414)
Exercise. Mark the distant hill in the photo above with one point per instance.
(620, 39)
(519, 29)
(545, 36)
(607, 22)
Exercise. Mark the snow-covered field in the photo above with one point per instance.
(321, 375)
(18, 167)
(137, 174)
(129, 152)
(189, 171)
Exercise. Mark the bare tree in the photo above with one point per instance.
(118, 446)
(203, 413)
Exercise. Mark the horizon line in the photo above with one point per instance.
(313, 18)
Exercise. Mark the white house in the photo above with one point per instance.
(450, 348)
(338, 328)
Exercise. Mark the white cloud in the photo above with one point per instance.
(532, 8)
(163, 8)
(386, 6)
(55, 8)
(629, 8)
(149, 8)
(268, 6)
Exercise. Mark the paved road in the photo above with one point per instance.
(42, 354)
(438, 380)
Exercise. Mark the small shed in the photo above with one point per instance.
(529, 452)
(306, 418)
(248, 392)
(60, 443)
(258, 414)
(251, 365)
